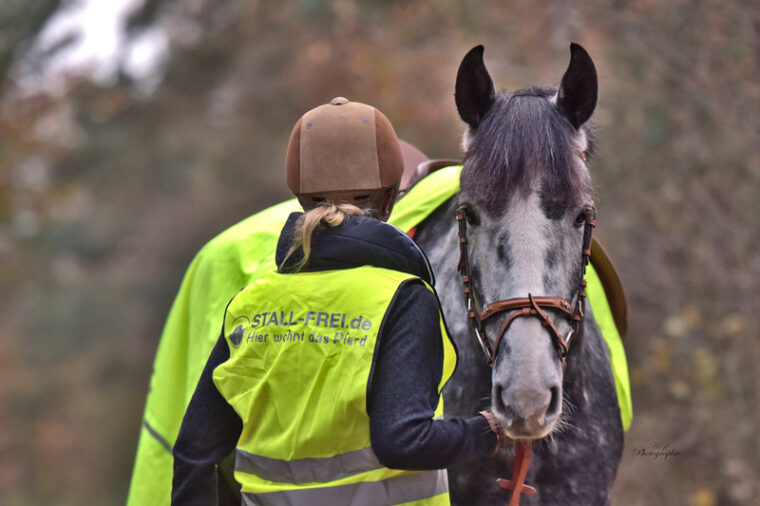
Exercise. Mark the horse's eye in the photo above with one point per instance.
(588, 212)
(472, 216)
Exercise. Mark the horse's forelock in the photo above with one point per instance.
(524, 139)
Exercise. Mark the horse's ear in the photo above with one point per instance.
(474, 93)
(577, 93)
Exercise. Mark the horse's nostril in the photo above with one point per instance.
(554, 404)
(498, 400)
(500, 405)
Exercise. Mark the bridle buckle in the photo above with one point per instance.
(569, 337)
(483, 343)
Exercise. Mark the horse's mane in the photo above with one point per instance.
(523, 137)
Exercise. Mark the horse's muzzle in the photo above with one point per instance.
(527, 412)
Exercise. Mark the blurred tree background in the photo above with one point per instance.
(115, 170)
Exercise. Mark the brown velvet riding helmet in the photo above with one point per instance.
(343, 152)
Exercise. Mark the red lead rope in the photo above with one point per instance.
(523, 451)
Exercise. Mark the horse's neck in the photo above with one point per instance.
(591, 430)
(588, 383)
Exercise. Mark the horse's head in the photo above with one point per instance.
(526, 193)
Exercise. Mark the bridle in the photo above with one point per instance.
(529, 306)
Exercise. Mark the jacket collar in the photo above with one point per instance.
(358, 241)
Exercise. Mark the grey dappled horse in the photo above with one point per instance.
(527, 191)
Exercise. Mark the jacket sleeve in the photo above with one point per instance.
(209, 432)
(403, 392)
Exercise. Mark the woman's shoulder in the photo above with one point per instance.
(415, 297)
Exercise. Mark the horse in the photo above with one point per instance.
(525, 196)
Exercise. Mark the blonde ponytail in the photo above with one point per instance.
(328, 213)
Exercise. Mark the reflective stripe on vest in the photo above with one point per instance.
(308, 470)
(427, 487)
(301, 351)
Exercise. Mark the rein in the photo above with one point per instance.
(529, 306)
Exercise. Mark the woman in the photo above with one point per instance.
(326, 379)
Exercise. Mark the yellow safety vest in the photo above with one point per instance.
(301, 351)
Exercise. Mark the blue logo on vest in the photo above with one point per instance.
(236, 336)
